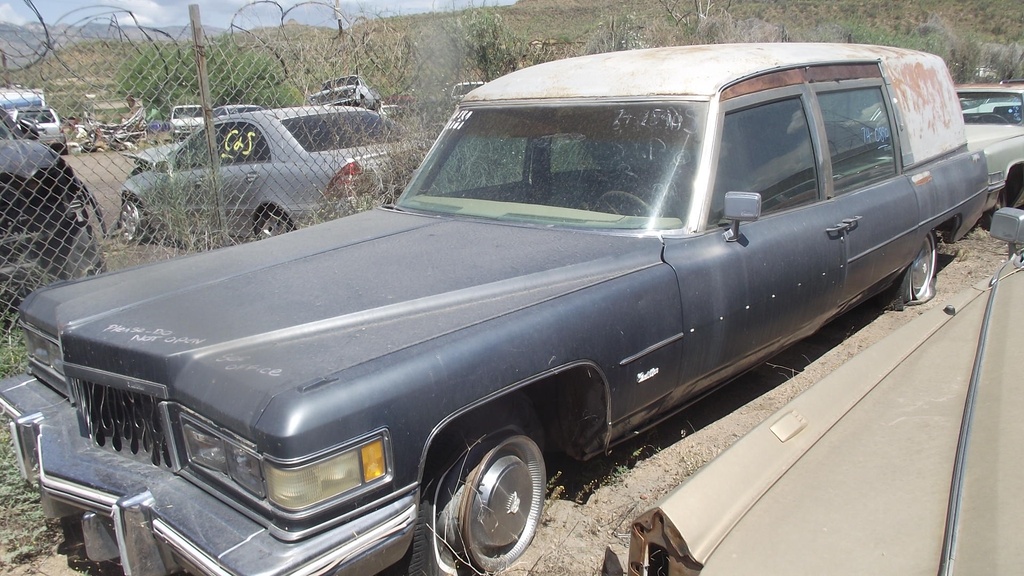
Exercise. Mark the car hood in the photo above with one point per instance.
(23, 158)
(980, 136)
(253, 321)
(152, 156)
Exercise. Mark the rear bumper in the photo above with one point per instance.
(156, 522)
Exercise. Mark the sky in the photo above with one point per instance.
(216, 13)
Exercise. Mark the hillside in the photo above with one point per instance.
(999, 21)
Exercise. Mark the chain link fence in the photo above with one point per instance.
(164, 142)
(126, 144)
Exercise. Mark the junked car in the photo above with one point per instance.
(276, 169)
(47, 125)
(46, 233)
(460, 89)
(185, 119)
(589, 245)
(994, 117)
(346, 91)
(902, 461)
(229, 109)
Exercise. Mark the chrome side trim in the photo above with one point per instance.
(651, 349)
(948, 558)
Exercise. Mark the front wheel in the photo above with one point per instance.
(483, 513)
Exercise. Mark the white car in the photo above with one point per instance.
(185, 119)
(347, 91)
(47, 123)
(994, 124)
(277, 169)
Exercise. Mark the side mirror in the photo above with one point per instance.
(740, 207)
(1008, 226)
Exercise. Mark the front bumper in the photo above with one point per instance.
(158, 523)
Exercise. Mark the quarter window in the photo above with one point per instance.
(766, 149)
(859, 137)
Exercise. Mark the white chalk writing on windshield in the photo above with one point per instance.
(662, 119)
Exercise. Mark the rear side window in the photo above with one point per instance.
(859, 137)
(766, 149)
(321, 132)
(241, 143)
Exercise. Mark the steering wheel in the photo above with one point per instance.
(624, 204)
(991, 119)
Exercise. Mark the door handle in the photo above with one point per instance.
(851, 223)
(250, 177)
(845, 225)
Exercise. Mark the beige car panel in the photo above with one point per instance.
(872, 495)
(992, 507)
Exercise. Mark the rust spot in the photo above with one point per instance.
(791, 77)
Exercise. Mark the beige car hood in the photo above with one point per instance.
(855, 474)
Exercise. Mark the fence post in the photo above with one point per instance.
(199, 46)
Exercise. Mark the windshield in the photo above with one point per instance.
(625, 166)
(38, 116)
(992, 108)
(187, 112)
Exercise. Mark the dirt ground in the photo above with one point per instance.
(594, 502)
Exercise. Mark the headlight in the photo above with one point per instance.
(46, 361)
(221, 456)
(215, 453)
(44, 351)
(304, 486)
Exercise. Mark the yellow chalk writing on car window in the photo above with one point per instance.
(236, 144)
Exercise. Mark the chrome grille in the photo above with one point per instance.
(124, 421)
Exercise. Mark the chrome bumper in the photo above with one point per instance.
(158, 523)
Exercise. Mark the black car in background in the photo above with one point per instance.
(45, 232)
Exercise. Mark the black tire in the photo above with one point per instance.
(83, 256)
(271, 222)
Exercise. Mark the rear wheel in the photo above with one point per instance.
(272, 222)
(986, 218)
(130, 220)
(919, 280)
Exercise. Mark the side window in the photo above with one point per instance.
(241, 143)
(766, 149)
(859, 137)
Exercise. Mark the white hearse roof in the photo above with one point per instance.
(922, 89)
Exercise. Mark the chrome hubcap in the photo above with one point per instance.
(922, 270)
(502, 503)
(130, 220)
